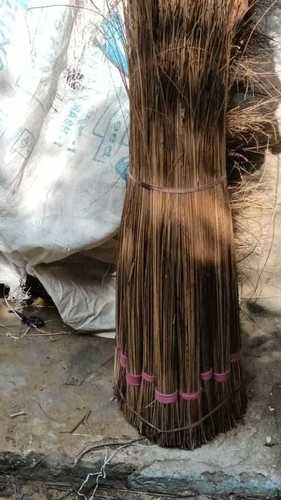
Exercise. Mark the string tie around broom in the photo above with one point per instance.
(206, 376)
(170, 190)
(137, 379)
(189, 426)
(123, 360)
(190, 396)
(133, 379)
(163, 398)
(222, 377)
(147, 377)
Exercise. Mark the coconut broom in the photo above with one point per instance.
(178, 374)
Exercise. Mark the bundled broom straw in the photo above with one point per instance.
(251, 126)
(178, 375)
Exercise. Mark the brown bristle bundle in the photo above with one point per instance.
(178, 368)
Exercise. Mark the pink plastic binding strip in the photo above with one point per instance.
(166, 399)
(235, 357)
(222, 377)
(190, 396)
(123, 360)
(133, 379)
(206, 376)
(147, 377)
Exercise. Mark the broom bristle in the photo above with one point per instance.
(252, 128)
(178, 374)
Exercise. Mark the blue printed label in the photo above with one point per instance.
(122, 168)
(113, 46)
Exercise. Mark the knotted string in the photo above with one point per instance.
(171, 190)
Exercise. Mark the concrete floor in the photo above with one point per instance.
(58, 421)
(59, 424)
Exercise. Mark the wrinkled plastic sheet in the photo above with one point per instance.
(64, 152)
